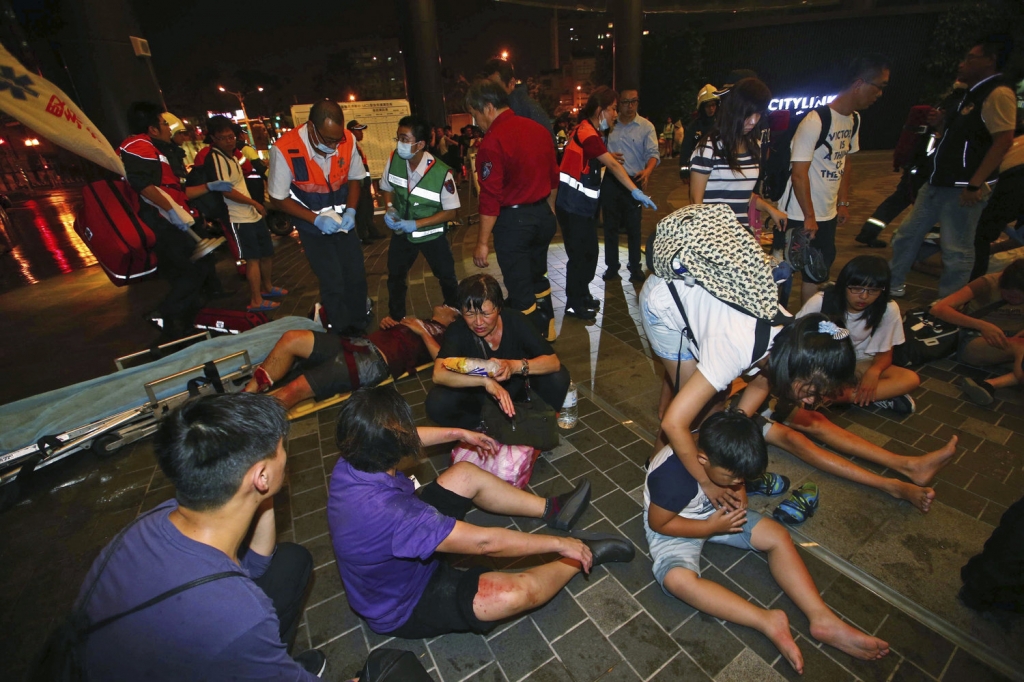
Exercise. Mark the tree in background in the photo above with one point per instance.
(955, 32)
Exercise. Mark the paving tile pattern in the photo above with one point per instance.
(618, 624)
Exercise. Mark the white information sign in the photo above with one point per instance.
(381, 118)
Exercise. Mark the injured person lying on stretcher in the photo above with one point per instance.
(327, 364)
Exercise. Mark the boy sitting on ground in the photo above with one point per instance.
(679, 518)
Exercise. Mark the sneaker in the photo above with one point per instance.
(978, 392)
(582, 312)
(768, 483)
(898, 291)
(312, 661)
(797, 242)
(901, 404)
(593, 304)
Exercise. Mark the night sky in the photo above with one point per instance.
(190, 39)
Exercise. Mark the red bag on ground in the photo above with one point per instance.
(512, 463)
(110, 226)
(228, 321)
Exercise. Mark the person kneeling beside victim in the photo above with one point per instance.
(330, 364)
(391, 568)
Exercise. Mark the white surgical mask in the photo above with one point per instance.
(604, 124)
(405, 150)
(320, 146)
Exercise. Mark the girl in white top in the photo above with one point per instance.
(860, 301)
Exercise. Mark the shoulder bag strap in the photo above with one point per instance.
(687, 332)
(161, 597)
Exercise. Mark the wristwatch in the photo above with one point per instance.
(843, 203)
(525, 371)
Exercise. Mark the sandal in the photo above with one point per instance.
(768, 483)
(276, 292)
(800, 506)
(265, 307)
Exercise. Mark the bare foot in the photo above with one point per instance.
(777, 630)
(921, 470)
(848, 639)
(916, 495)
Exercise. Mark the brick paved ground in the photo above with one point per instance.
(617, 625)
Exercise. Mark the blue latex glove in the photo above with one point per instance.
(348, 221)
(407, 226)
(219, 186)
(328, 222)
(391, 213)
(174, 218)
(644, 200)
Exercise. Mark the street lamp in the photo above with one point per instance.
(241, 102)
(504, 55)
(351, 98)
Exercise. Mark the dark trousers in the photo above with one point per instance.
(621, 213)
(521, 239)
(1004, 206)
(364, 212)
(460, 407)
(337, 262)
(285, 582)
(895, 203)
(580, 235)
(187, 279)
(402, 254)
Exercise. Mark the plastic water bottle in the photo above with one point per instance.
(567, 416)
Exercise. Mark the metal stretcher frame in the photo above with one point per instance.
(106, 436)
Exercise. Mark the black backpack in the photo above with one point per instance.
(776, 166)
(63, 656)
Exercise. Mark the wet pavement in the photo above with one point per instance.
(878, 562)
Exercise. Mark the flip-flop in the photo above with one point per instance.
(800, 506)
(265, 307)
(276, 292)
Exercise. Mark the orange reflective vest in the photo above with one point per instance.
(579, 183)
(309, 186)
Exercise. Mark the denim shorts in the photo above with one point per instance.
(662, 322)
(671, 552)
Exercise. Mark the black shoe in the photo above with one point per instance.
(607, 547)
(611, 276)
(312, 661)
(582, 312)
(870, 242)
(637, 276)
(593, 304)
(570, 507)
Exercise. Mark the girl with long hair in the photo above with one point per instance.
(726, 161)
(860, 301)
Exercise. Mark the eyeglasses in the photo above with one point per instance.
(881, 88)
(407, 139)
(329, 141)
(628, 102)
(860, 291)
(475, 314)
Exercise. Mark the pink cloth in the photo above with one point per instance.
(512, 463)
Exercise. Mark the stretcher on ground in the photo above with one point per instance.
(109, 412)
(311, 405)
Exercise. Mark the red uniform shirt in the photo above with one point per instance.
(515, 163)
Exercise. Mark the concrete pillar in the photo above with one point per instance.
(628, 19)
(97, 53)
(423, 62)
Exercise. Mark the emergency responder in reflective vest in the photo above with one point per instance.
(315, 177)
(579, 189)
(421, 198)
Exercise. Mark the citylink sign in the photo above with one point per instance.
(799, 103)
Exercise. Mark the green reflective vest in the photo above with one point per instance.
(425, 198)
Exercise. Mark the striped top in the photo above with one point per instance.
(726, 186)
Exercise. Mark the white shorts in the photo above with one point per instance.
(662, 322)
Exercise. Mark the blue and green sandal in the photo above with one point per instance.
(800, 506)
(768, 483)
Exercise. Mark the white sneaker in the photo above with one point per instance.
(898, 291)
